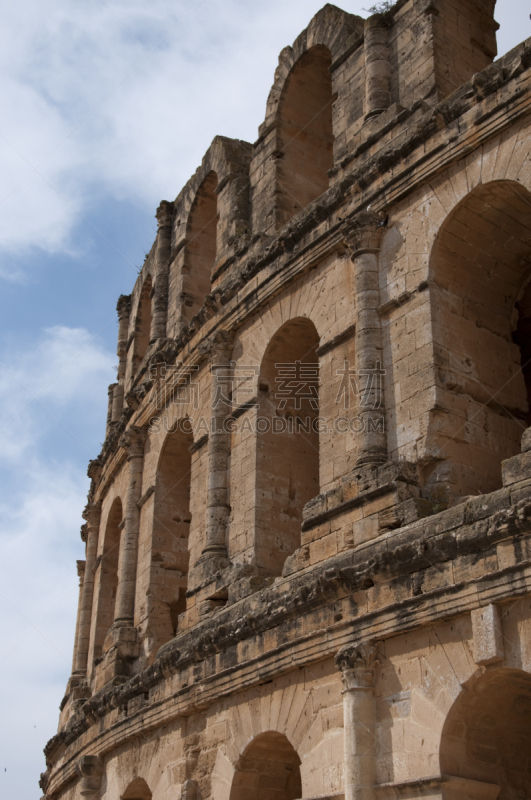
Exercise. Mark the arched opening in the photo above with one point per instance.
(487, 734)
(522, 337)
(201, 245)
(287, 470)
(143, 322)
(269, 769)
(137, 790)
(306, 136)
(171, 529)
(480, 264)
(108, 569)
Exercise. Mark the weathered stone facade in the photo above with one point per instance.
(308, 534)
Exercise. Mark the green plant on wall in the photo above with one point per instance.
(380, 8)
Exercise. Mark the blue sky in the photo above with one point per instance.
(107, 107)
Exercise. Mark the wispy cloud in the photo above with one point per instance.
(103, 103)
(121, 99)
(51, 388)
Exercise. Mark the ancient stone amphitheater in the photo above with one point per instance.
(308, 533)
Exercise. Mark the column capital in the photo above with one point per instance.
(357, 663)
(90, 770)
(218, 347)
(92, 514)
(133, 441)
(123, 306)
(94, 469)
(164, 213)
(363, 233)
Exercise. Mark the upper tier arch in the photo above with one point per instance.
(332, 28)
(229, 160)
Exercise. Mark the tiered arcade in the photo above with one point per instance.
(308, 533)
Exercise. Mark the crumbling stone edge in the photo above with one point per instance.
(466, 530)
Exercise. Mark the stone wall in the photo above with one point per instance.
(308, 533)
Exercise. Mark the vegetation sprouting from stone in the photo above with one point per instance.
(384, 7)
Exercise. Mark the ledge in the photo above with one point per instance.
(344, 336)
(145, 497)
(457, 788)
(199, 444)
(457, 536)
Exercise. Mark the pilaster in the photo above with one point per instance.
(91, 514)
(162, 260)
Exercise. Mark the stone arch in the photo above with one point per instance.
(291, 707)
(486, 738)
(108, 576)
(268, 769)
(419, 219)
(287, 468)
(480, 266)
(228, 160)
(171, 528)
(305, 135)
(137, 790)
(331, 28)
(201, 243)
(142, 330)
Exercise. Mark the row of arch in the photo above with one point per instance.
(287, 476)
(481, 312)
(484, 749)
(303, 158)
(301, 139)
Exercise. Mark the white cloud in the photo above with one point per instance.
(65, 370)
(40, 517)
(40, 542)
(83, 94)
(122, 99)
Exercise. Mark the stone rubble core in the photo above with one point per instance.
(308, 532)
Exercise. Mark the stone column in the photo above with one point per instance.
(363, 235)
(133, 440)
(124, 310)
(110, 402)
(377, 67)
(92, 516)
(190, 791)
(357, 664)
(162, 263)
(81, 576)
(218, 508)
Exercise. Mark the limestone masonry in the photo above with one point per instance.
(308, 533)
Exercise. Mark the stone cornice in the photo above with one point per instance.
(430, 608)
(204, 654)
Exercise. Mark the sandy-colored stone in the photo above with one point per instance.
(308, 533)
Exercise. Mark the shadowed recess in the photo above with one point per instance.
(487, 734)
(268, 769)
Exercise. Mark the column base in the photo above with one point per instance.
(214, 550)
(120, 648)
(373, 459)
